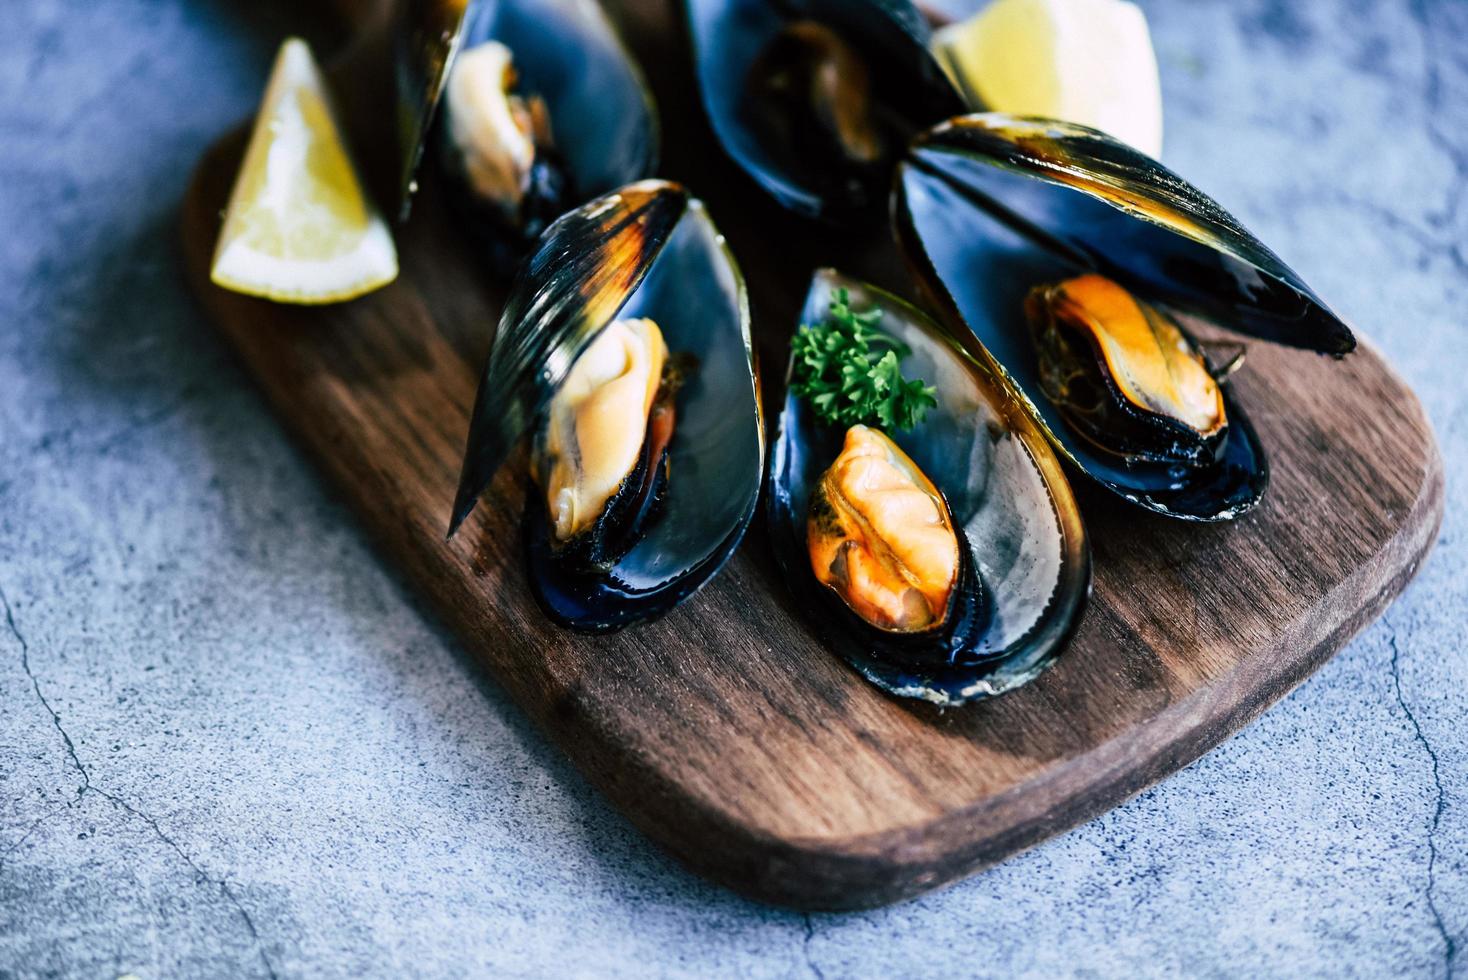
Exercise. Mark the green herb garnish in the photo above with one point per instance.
(850, 371)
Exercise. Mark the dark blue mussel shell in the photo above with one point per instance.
(567, 53)
(645, 250)
(988, 206)
(734, 42)
(1005, 488)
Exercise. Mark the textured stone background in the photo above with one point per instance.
(231, 743)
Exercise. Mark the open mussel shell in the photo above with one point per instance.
(758, 60)
(1004, 487)
(989, 206)
(565, 52)
(1106, 207)
(645, 250)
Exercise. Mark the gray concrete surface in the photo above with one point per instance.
(233, 744)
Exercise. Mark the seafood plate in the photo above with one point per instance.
(1057, 263)
(812, 727)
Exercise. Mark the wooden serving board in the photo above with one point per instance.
(726, 731)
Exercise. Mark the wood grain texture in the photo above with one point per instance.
(725, 731)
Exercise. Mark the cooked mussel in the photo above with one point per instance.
(882, 539)
(543, 108)
(939, 550)
(601, 457)
(498, 143)
(809, 93)
(991, 207)
(816, 99)
(624, 349)
(1125, 375)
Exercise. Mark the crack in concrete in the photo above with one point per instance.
(87, 787)
(25, 665)
(200, 874)
(810, 932)
(1450, 949)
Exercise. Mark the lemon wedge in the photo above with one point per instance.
(1081, 61)
(298, 228)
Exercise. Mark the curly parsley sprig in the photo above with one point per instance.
(850, 371)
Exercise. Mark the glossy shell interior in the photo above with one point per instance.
(1075, 201)
(1006, 491)
(1114, 210)
(566, 52)
(729, 37)
(647, 250)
